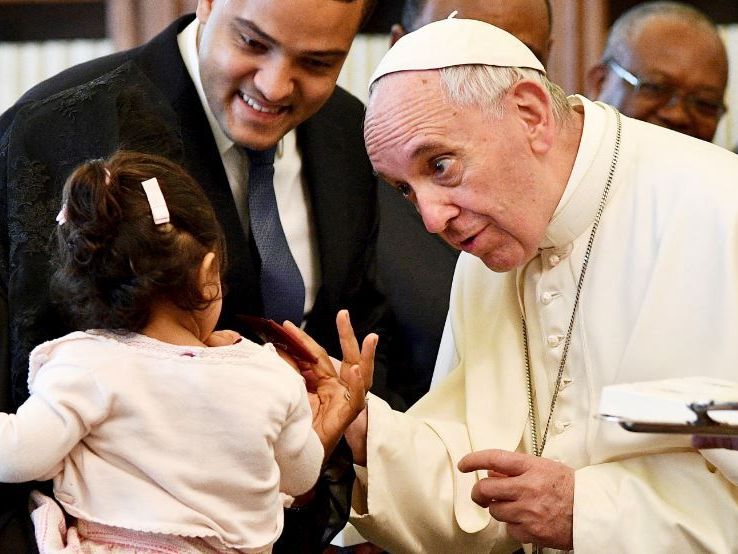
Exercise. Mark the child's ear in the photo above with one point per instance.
(208, 277)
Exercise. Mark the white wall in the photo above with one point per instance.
(363, 58)
(727, 133)
(24, 64)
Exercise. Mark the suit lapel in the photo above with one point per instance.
(329, 182)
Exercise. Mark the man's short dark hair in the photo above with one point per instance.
(410, 14)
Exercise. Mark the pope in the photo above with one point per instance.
(597, 249)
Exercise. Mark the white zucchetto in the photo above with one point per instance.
(450, 42)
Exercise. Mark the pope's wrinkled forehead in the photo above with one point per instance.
(403, 104)
(452, 42)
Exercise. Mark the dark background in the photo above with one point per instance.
(722, 11)
(22, 21)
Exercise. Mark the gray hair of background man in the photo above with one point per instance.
(659, 52)
(412, 10)
(632, 21)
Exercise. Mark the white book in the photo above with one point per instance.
(668, 401)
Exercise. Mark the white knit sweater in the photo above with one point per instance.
(154, 437)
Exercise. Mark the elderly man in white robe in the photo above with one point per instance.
(598, 249)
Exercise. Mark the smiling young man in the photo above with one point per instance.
(264, 69)
(213, 91)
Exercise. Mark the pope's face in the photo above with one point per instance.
(470, 175)
(268, 66)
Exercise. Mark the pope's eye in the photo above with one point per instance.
(441, 164)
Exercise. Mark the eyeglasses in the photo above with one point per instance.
(663, 93)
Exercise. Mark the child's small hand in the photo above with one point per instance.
(224, 337)
(339, 396)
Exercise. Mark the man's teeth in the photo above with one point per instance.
(258, 107)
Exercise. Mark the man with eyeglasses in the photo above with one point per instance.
(664, 63)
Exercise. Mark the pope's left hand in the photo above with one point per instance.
(534, 496)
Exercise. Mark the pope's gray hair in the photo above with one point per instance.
(484, 86)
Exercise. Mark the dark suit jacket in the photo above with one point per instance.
(143, 99)
(415, 273)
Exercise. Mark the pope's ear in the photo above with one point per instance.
(535, 112)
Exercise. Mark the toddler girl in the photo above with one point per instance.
(154, 440)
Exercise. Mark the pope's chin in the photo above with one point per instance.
(501, 261)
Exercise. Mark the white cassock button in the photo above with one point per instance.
(553, 340)
(546, 298)
(554, 260)
(565, 381)
(562, 426)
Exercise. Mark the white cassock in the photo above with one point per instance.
(660, 299)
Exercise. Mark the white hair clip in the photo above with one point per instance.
(158, 205)
(61, 217)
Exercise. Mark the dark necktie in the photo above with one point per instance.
(282, 288)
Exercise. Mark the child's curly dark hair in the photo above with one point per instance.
(114, 261)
